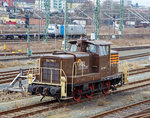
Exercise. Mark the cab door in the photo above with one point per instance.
(94, 57)
(104, 60)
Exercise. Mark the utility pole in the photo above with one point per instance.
(47, 19)
(65, 24)
(97, 19)
(121, 19)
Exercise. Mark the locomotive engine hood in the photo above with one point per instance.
(65, 55)
(67, 60)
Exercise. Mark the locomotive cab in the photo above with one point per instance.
(87, 67)
(99, 54)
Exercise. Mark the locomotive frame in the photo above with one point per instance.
(91, 69)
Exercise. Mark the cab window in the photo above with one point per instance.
(91, 48)
(73, 47)
(103, 50)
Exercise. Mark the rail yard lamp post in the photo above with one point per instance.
(47, 19)
(97, 19)
(121, 19)
(65, 25)
(27, 25)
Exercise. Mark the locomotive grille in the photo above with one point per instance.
(50, 72)
(114, 58)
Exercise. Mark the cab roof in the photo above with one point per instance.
(95, 42)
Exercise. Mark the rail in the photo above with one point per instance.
(8, 76)
(120, 108)
(12, 35)
(27, 111)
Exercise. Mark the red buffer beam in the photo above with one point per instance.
(9, 2)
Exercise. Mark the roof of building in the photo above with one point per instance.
(28, 1)
(77, 1)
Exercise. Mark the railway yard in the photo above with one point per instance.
(78, 59)
(130, 100)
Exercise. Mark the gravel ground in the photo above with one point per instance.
(4, 86)
(18, 66)
(19, 100)
(139, 77)
(6, 97)
(133, 52)
(129, 111)
(83, 109)
(93, 107)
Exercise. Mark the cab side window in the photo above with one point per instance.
(73, 47)
(104, 50)
(91, 48)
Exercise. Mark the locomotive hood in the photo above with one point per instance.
(67, 61)
(66, 55)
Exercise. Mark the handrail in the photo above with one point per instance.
(55, 69)
(62, 71)
(31, 70)
(74, 74)
(74, 64)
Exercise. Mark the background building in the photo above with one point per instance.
(7, 2)
(58, 5)
(128, 2)
(55, 5)
(75, 3)
(24, 3)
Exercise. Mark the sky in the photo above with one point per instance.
(141, 2)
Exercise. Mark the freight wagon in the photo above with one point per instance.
(73, 30)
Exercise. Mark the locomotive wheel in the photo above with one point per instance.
(90, 94)
(106, 85)
(77, 94)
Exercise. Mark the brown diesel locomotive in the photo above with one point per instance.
(88, 67)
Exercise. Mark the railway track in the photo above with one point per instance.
(13, 35)
(127, 106)
(23, 54)
(134, 56)
(139, 71)
(8, 76)
(40, 53)
(24, 41)
(131, 48)
(120, 109)
(53, 104)
(143, 114)
(27, 110)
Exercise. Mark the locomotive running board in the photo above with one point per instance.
(67, 98)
